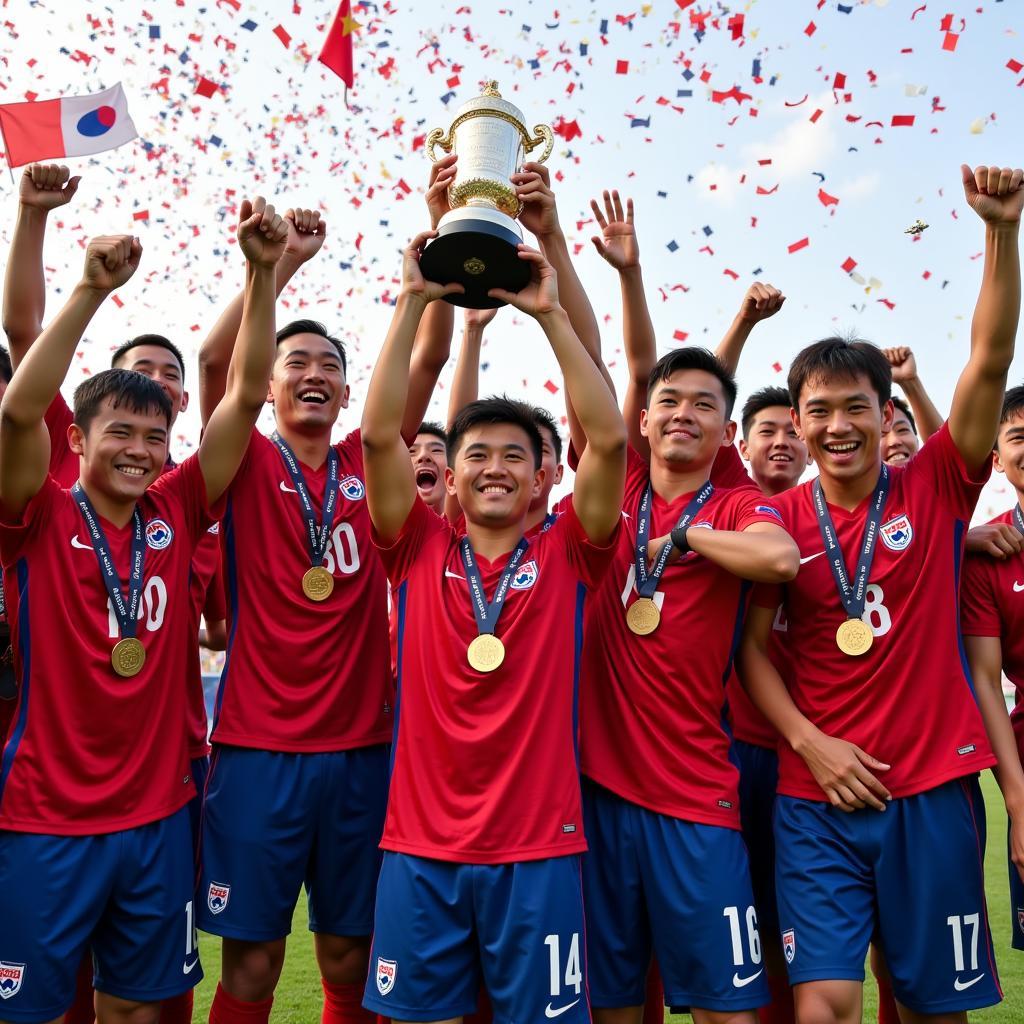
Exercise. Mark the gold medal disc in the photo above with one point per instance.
(854, 637)
(317, 583)
(643, 616)
(486, 652)
(128, 656)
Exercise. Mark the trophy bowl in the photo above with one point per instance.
(477, 239)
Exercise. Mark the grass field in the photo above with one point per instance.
(298, 997)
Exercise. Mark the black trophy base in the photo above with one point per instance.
(479, 255)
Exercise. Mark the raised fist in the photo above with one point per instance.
(903, 363)
(760, 302)
(110, 261)
(306, 234)
(47, 186)
(262, 233)
(994, 193)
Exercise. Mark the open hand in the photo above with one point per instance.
(844, 772)
(617, 242)
(413, 281)
(540, 296)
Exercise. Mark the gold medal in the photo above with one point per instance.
(317, 583)
(128, 656)
(486, 652)
(643, 616)
(854, 637)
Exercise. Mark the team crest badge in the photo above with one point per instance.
(217, 897)
(897, 533)
(11, 977)
(526, 576)
(789, 945)
(215, 529)
(352, 487)
(386, 972)
(158, 534)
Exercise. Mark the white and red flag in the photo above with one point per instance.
(68, 126)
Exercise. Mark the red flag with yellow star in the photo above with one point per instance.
(337, 50)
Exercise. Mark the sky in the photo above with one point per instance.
(772, 140)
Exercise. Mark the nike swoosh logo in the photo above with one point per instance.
(811, 558)
(453, 575)
(549, 1013)
(288, 490)
(187, 967)
(1017, 587)
(961, 985)
(76, 543)
(740, 982)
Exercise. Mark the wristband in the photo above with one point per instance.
(678, 536)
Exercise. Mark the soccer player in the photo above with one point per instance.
(902, 440)
(95, 848)
(429, 461)
(776, 453)
(468, 889)
(992, 622)
(877, 820)
(8, 680)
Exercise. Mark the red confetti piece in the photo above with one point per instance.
(679, 335)
(814, 117)
(798, 102)
(281, 34)
(902, 120)
(551, 386)
(777, 367)
(204, 87)
(1015, 66)
(848, 264)
(826, 199)
(811, 29)
(568, 130)
(621, 67)
(141, 215)
(840, 82)
(731, 273)
(923, 7)
(949, 41)
(117, 301)
(767, 191)
(797, 246)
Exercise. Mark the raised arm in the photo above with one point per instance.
(24, 440)
(306, 234)
(601, 474)
(842, 770)
(904, 373)
(760, 301)
(985, 657)
(262, 235)
(996, 197)
(43, 187)
(390, 480)
(617, 244)
(466, 381)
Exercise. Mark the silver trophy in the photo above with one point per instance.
(477, 239)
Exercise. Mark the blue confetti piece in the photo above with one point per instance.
(184, 58)
(604, 27)
(687, 74)
(526, 28)
(672, 246)
(583, 49)
(682, 94)
(707, 231)
(663, 195)
(154, 31)
(640, 122)
(535, 64)
(755, 71)
(215, 140)
(757, 271)
(447, 98)
(848, 8)
(249, 25)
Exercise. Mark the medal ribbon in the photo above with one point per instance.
(126, 611)
(647, 579)
(852, 594)
(1018, 518)
(487, 612)
(318, 537)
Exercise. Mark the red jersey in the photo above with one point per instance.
(908, 700)
(206, 590)
(485, 767)
(301, 676)
(90, 752)
(64, 464)
(653, 706)
(992, 604)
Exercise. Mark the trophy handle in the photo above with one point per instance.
(438, 138)
(542, 134)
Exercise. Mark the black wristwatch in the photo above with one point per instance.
(678, 536)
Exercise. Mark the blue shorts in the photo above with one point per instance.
(909, 879)
(759, 775)
(1016, 899)
(443, 928)
(682, 888)
(200, 770)
(273, 822)
(126, 895)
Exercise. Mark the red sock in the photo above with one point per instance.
(177, 1010)
(343, 1004)
(887, 1013)
(654, 997)
(780, 1010)
(83, 1009)
(484, 1014)
(226, 1009)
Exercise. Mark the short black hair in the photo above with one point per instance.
(847, 358)
(1013, 404)
(903, 406)
(6, 370)
(125, 388)
(693, 358)
(313, 327)
(494, 410)
(149, 339)
(766, 398)
(434, 429)
(545, 421)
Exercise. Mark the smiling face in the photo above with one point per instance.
(1009, 456)
(494, 475)
(429, 461)
(842, 422)
(159, 364)
(686, 419)
(777, 455)
(308, 386)
(122, 451)
(899, 443)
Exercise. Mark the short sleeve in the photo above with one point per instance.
(186, 484)
(588, 560)
(750, 506)
(979, 612)
(768, 595)
(727, 471)
(940, 463)
(420, 526)
(638, 475)
(16, 535)
(215, 608)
